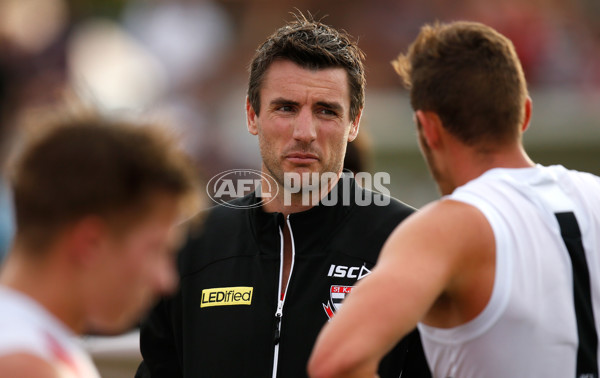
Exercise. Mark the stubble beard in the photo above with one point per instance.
(273, 165)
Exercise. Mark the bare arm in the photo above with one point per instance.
(422, 261)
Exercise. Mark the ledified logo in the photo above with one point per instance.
(227, 296)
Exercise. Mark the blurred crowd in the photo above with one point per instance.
(184, 62)
(179, 60)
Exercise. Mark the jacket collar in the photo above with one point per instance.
(311, 229)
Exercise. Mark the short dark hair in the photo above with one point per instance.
(313, 45)
(93, 166)
(470, 75)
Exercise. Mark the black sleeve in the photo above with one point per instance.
(407, 357)
(158, 345)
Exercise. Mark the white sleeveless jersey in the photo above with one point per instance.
(529, 326)
(27, 327)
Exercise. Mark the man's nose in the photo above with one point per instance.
(305, 126)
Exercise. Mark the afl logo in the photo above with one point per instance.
(236, 183)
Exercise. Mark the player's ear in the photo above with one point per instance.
(85, 239)
(354, 126)
(251, 121)
(527, 118)
(430, 126)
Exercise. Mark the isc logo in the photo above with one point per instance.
(342, 271)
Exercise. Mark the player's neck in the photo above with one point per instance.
(474, 164)
(46, 283)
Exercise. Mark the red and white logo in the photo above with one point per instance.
(337, 293)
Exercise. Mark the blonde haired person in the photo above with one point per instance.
(97, 205)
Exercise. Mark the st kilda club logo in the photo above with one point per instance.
(337, 293)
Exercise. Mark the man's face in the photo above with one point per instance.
(136, 267)
(304, 123)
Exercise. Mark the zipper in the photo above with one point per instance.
(280, 297)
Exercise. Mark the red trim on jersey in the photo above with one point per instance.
(62, 355)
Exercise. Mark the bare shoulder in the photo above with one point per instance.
(445, 225)
(22, 365)
(450, 248)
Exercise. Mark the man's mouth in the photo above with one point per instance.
(301, 158)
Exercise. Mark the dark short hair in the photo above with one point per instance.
(92, 166)
(470, 75)
(312, 45)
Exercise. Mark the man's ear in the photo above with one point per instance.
(251, 116)
(527, 118)
(355, 126)
(431, 127)
(85, 239)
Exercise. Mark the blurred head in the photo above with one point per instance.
(311, 45)
(109, 195)
(131, 269)
(470, 76)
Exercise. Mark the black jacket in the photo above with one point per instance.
(223, 322)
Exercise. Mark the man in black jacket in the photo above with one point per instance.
(267, 271)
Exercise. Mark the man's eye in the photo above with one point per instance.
(328, 112)
(285, 108)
